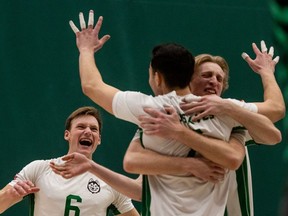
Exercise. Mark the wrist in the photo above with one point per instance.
(86, 51)
(91, 163)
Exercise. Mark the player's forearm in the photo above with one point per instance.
(92, 83)
(7, 200)
(261, 129)
(151, 163)
(273, 106)
(123, 184)
(226, 154)
(89, 74)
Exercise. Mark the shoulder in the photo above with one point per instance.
(33, 170)
(43, 162)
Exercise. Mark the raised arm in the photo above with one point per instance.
(273, 106)
(10, 195)
(88, 43)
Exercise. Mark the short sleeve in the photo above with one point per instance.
(122, 203)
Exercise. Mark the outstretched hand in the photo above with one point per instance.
(75, 164)
(264, 61)
(88, 38)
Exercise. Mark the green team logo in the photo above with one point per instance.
(93, 186)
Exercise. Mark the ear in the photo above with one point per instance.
(158, 78)
(66, 135)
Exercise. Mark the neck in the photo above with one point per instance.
(180, 92)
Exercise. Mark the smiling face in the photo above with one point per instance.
(208, 78)
(84, 135)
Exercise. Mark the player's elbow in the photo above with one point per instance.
(279, 113)
(270, 139)
(128, 164)
(277, 138)
(235, 161)
(234, 165)
(87, 89)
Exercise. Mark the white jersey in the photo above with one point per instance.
(83, 195)
(170, 194)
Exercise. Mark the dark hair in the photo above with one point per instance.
(82, 111)
(175, 63)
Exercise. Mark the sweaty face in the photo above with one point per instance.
(84, 136)
(207, 79)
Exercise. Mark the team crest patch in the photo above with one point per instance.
(93, 186)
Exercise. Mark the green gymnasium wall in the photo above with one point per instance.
(39, 81)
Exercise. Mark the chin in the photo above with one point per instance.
(84, 152)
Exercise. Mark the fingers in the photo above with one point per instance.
(67, 175)
(82, 21)
(152, 112)
(73, 27)
(61, 171)
(199, 116)
(263, 46)
(276, 59)
(271, 51)
(216, 179)
(170, 110)
(68, 157)
(22, 188)
(91, 18)
(99, 24)
(105, 38)
(146, 122)
(194, 108)
(34, 189)
(59, 168)
(245, 56)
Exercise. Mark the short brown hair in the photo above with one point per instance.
(82, 111)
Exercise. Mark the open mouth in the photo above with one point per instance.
(85, 142)
(211, 91)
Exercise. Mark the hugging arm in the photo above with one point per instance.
(144, 161)
(229, 155)
(261, 129)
